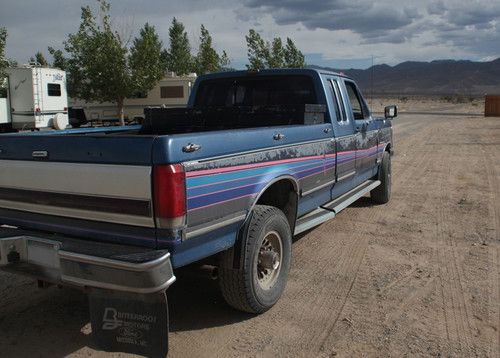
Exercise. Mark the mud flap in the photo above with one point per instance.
(130, 323)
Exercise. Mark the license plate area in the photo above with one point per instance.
(43, 252)
(32, 250)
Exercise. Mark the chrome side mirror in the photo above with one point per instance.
(390, 112)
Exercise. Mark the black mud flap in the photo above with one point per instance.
(130, 323)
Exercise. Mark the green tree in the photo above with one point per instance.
(178, 57)
(224, 62)
(294, 58)
(4, 63)
(207, 59)
(99, 65)
(59, 61)
(39, 59)
(276, 54)
(257, 50)
(146, 62)
(265, 54)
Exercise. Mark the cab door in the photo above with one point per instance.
(366, 141)
(345, 140)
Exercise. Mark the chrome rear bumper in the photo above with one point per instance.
(84, 263)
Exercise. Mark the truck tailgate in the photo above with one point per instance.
(89, 186)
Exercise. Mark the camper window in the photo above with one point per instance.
(171, 92)
(54, 89)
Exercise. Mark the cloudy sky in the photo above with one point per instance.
(336, 33)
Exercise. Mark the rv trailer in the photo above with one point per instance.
(170, 91)
(38, 97)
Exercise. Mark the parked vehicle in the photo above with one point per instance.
(5, 121)
(254, 159)
(37, 97)
(170, 91)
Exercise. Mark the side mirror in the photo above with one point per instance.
(391, 112)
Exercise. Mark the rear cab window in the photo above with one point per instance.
(257, 101)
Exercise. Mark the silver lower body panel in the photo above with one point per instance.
(84, 263)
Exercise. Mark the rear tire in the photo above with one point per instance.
(265, 262)
(382, 193)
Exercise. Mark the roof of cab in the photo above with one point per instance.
(272, 71)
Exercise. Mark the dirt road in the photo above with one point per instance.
(418, 276)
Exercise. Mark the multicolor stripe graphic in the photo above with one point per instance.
(208, 187)
(215, 186)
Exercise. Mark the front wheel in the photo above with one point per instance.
(382, 193)
(265, 262)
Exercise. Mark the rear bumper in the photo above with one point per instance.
(84, 263)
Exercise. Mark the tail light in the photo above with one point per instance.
(65, 109)
(169, 185)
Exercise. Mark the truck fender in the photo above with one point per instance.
(244, 225)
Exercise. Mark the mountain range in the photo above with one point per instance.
(440, 77)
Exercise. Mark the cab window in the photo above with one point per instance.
(358, 105)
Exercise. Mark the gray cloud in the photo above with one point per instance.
(465, 24)
(393, 29)
(361, 16)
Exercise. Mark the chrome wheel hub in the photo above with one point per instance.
(269, 260)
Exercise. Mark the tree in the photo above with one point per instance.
(265, 54)
(276, 54)
(224, 62)
(178, 57)
(59, 61)
(3, 61)
(39, 59)
(207, 59)
(146, 62)
(257, 50)
(99, 65)
(294, 58)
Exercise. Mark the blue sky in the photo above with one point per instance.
(333, 33)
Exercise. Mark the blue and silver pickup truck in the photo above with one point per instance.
(254, 159)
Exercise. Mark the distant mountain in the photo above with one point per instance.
(442, 77)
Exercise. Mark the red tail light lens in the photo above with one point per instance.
(169, 195)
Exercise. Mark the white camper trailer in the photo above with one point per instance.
(5, 123)
(171, 91)
(38, 97)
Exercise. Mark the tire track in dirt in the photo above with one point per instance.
(497, 300)
(491, 160)
(370, 217)
(332, 297)
(456, 306)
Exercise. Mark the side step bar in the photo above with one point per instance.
(332, 208)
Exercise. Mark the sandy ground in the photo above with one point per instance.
(418, 276)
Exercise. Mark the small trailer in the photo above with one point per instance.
(170, 91)
(37, 98)
(5, 121)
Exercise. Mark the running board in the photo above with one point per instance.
(330, 209)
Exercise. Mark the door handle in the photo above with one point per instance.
(278, 136)
(191, 147)
(327, 130)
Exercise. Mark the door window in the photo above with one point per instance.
(358, 105)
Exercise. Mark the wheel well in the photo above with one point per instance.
(283, 196)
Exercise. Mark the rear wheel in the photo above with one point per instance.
(265, 262)
(382, 193)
